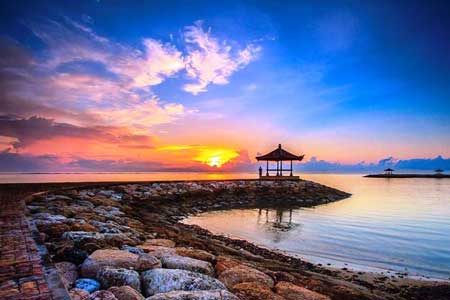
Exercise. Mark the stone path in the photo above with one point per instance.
(21, 271)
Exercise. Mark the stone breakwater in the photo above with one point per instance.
(124, 242)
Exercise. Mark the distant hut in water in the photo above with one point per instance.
(388, 171)
(438, 171)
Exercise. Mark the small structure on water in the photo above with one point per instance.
(438, 171)
(388, 171)
(278, 155)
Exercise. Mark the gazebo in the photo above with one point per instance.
(388, 171)
(278, 155)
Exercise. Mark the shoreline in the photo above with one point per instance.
(161, 215)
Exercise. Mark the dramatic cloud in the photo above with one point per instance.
(14, 162)
(211, 62)
(142, 115)
(207, 61)
(81, 101)
(79, 70)
(159, 62)
(28, 131)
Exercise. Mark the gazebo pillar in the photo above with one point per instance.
(281, 168)
(291, 169)
(278, 168)
(267, 168)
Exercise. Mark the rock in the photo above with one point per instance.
(54, 230)
(166, 280)
(82, 238)
(196, 253)
(157, 251)
(147, 261)
(68, 273)
(224, 263)
(82, 227)
(187, 263)
(241, 273)
(291, 291)
(49, 217)
(72, 254)
(195, 295)
(160, 242)
(78, 294)
(108, 258)
(125, 292)
(103, 295)
(254, 291)
(87, 284)
(109, 277)
(131, 249)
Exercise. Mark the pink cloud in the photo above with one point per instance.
(141, 116)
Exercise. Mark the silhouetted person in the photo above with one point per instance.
(260, 171)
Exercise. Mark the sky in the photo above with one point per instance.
(207, 86)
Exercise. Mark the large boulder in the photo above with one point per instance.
(78, 294)
(290, 291)
(196, 253)
(187, 263)
(125, 292)
(103, 295)
(108, 258)
(195, 295)
(87, 284)
(68, 273)
(109, 277)
(255, 291)
(242, 273)
(166, 280)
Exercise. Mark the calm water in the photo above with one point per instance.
(388, 224)
(94, 177)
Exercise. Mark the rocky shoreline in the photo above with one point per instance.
(125, 241)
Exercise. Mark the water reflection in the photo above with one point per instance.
(277, 222)
(401, 225)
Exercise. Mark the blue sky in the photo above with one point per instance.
(343, 81)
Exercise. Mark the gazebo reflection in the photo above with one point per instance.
(277, 221)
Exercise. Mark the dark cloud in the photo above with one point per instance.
(15, 162)
(30, 130)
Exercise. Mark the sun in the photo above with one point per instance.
(214, 162)
(216, 157)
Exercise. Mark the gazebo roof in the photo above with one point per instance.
(388, 169)
(280, 154)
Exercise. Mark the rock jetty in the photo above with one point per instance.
(125, 242)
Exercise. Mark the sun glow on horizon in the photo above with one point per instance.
(216, 157)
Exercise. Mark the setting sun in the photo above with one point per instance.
(216, 157)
